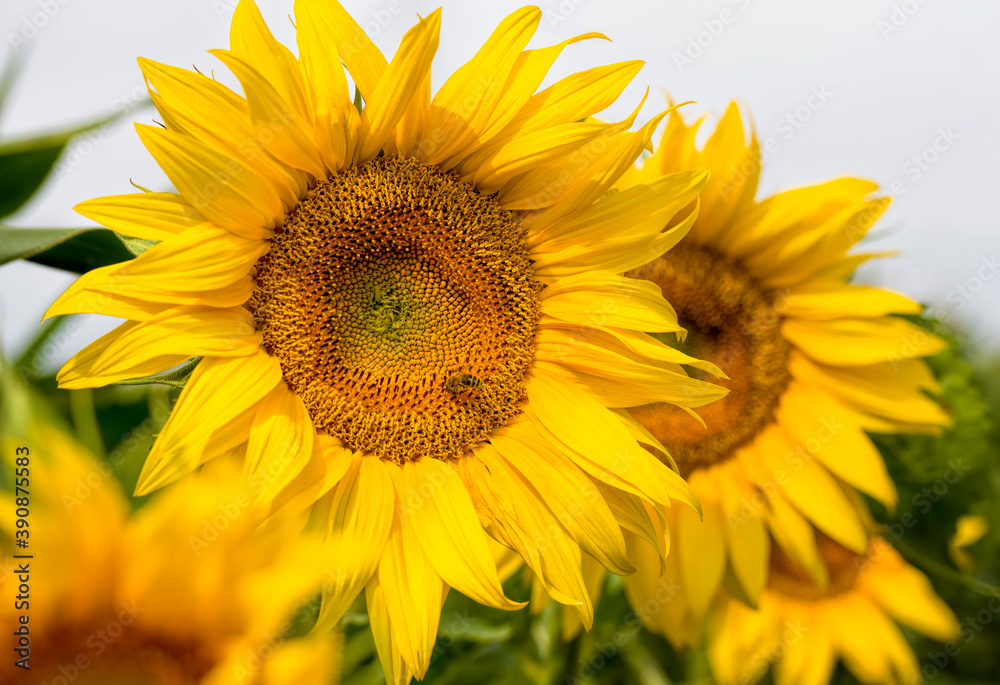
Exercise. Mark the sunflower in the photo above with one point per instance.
(410, 315)
(188, 591)
(802, 628)
(813, 362)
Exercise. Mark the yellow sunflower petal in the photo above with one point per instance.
(734, 167)
(834, 301)
(252, 42)
(188, 438)
(749, 549)
(280, 443)
(412, 590)
(465, 104)
(149, 216)
(337, 119)
(607, 299)
(597, 442)
(569, 494)
(858, 342)
(573, 98)
(836, 439)
(200, 107)
(811, 488)
(701, 553)
(286, 132)
(137, 349)
(207, 266)
(438, 511)
(385, 106)
(907, 595)
(221, 188)
(809, 659)
(796, 537)
(394, 667)
(518, 517)
(890, 390)
(871, 645)
(361, 509)
(362, 58)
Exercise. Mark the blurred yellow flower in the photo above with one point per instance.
(813, 361)
(189, 590)
(412, 313)
(969, 530)
(803, 629)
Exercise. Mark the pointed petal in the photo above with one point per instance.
(149, 216)
(219, 390)
(137, 349)
(438, 511)
(280, 444)
(222, 189)
(399, 84)
(361, 507)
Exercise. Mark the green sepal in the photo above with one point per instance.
(136, 245)
(177, 378)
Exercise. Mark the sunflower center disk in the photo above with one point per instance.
(731, 322)
(401, 304)
(789, 579)
(135, 656)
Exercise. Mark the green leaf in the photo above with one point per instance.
(72, 249)
(177, 378)
(25, 163)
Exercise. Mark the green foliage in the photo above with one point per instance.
(25, 164)
(71, 249)
(939, 480)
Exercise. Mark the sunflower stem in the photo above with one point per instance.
(81, 407)
(944, 572)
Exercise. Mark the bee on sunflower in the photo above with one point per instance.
(333, 266)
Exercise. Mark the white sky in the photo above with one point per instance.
(890, 94)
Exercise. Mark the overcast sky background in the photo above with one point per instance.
(898, 79)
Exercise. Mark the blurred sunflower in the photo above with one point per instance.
(410, 312)
(184, 592)
(803, 628)
(813, 362)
